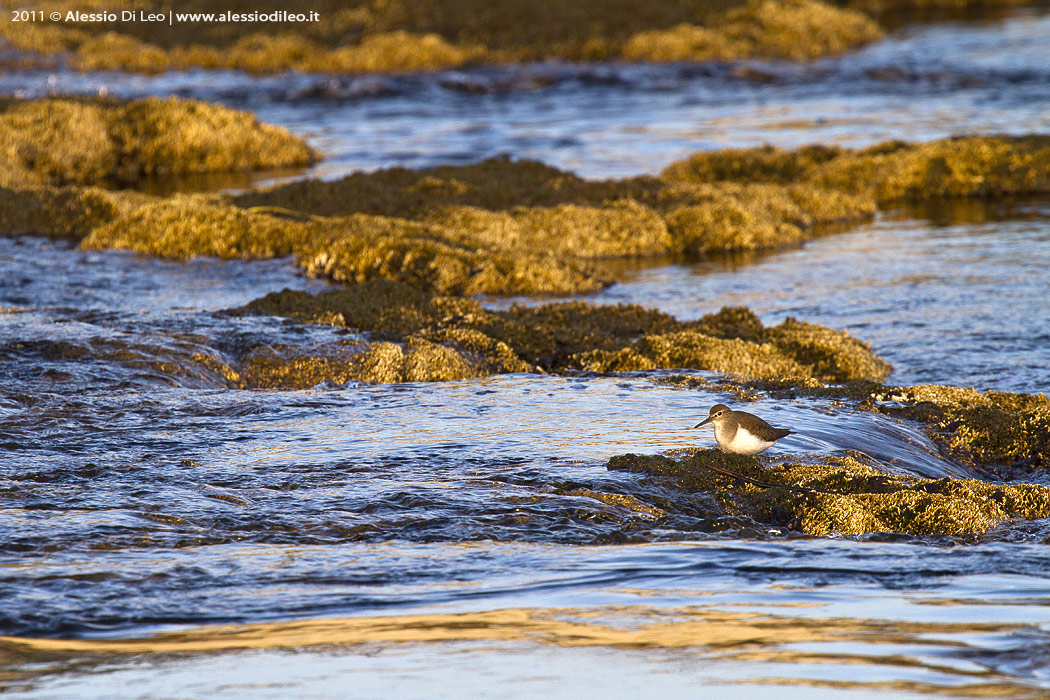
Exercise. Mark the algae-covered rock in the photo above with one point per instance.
(794, 29)
(762, 164)
(167, 136)
(382, 307)
(56, 141)
(61, 212)
(499, 226)
(828, 352)
(682, 42)
(727, 216)
(351, 249)
(418, 360)
(798, 351)
(843, 496)
(184, 226)
(797, 29)
(60, 141)
(399, 51)
(965, 166)
(917, 8)
(113, 51)
(568, 337)
(712, 202)
(517, 209)
(558, 336)
(972, 166)
(465, 230)
(441, 258)
(728, 226)
(621, 228)
(533, 193)
(492, 184)
(988, 428)
(734, 341)
(699, 351)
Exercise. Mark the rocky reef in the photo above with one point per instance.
(495, 227)
(526, 204)
(419, 336)
(1006, 432)
(92, 141)
(841, 495)
(968, 166)
(413, 247)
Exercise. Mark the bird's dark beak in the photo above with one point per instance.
(703, 422)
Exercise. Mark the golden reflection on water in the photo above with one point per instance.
(901, 656)
(618, 626)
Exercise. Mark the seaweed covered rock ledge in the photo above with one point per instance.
(496, 227)
(840, 495)
(65, 141)
(412, 335)
(1004, 437)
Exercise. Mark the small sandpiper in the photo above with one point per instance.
(742, 433)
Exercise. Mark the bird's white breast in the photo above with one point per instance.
(743, 442)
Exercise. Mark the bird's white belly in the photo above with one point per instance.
(743, 442)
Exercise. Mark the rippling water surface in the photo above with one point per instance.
(168, 536)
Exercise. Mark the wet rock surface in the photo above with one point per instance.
(502, 227)
(576, 336)
(1009, 431)
(843, 496)
(82, 141)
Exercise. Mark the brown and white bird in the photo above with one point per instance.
(742, 433)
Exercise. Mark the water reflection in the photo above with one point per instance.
(806, 617)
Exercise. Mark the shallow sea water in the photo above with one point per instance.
(164, 536)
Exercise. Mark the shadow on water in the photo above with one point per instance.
(964, 211)
(231, 182)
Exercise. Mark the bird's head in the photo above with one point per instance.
(719, 412)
